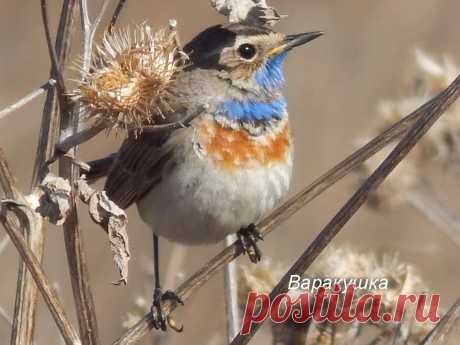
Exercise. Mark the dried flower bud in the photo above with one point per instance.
(131, 70)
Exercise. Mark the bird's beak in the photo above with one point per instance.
(292, 41)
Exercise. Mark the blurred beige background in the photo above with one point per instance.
(333, 87)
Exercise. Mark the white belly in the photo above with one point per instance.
(197, 203)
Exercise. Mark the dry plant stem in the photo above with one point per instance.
(68, 332)
(116, 14)
(26, 295)
(85, 133)
(437, 213)
(4, 315)
(173, 125)
(443, 101)
(22, 331)
(28, 98)
(4, 243)
(76, 258)
(49, 129)
(26, 292)
(89, 30)
(440, 333)
(55, 70)
(88, 131)
(286, 210)
(231, 294)
(286, 334)
(10, 224)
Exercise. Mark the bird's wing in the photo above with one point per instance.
(137, 168)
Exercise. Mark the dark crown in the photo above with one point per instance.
(204, 50)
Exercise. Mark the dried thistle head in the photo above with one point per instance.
(130, 74)
(347, 263)
(398, 185)
(403, 278)
(440, 145)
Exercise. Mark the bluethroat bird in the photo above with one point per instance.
(230, 167)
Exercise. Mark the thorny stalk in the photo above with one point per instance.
(433, 107)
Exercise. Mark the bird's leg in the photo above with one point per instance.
(248, 237)
(160, 321)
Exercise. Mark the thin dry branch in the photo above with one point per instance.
(6, 317)
(85, 133)
(26, 218)
(173, 125)
(116, 14)
(57, 311)
(437, 108)
(28, 98)
(286, 210)
(88, 131)
(76, 258)
(232, 307)
(26, 297)
(22, 331)
(49, 129)
(440, 333)
(55, 70)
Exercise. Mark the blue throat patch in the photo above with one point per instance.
(269, 76)
(251, 110)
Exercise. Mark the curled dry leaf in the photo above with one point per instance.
(255, 12)
(53, 199)
(114, 220)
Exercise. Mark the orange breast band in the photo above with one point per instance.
(235, 149)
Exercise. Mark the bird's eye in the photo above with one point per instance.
(247, 51)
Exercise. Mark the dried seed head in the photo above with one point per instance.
(398, 185)
(440, 145)
(346, 263)
(130, 73)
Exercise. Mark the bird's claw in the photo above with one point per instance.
(160, 321)
(248, 237)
